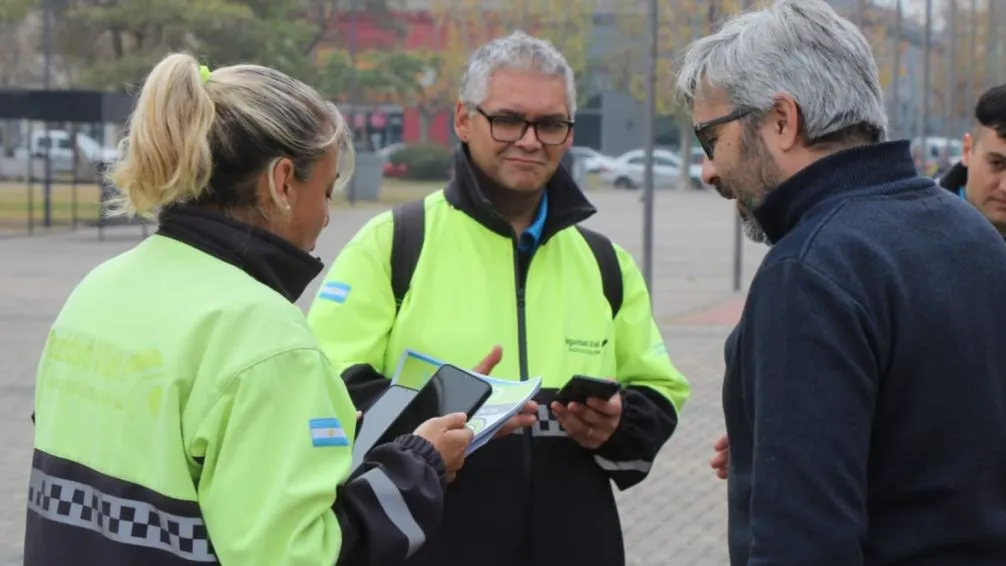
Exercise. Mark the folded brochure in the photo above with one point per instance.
(415, 369)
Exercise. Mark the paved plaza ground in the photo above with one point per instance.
(676, 518)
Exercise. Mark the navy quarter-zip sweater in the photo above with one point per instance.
(865, 387)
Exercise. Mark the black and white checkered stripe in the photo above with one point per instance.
(547, 424)
(124, 521)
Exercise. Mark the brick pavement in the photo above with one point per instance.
(676, 518)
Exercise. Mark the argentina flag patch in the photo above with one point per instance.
(335, 291)
(327, 432)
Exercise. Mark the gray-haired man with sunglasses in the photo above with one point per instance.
(865, 386)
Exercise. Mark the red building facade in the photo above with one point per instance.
(407, 31)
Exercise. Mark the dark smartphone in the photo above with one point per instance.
(384, 417)
(449, 390)
(580, 387)
(400, 410)
(457, 391)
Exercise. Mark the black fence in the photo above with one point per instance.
(54, 149)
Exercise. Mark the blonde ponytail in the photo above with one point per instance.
(165, 157)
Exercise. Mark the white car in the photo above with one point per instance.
(594, 161)
(627, 170)
(695, 168)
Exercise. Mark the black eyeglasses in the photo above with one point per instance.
(507, 128)
(704, 130)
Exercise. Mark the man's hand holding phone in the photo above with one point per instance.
(587, 416)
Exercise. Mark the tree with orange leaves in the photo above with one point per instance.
(464, 25)
(679, 23)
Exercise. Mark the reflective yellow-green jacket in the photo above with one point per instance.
(184, 414)
(549, 499)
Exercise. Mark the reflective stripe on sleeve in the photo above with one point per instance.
(395, 508)
(641, 466)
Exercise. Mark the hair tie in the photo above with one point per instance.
(204, 73)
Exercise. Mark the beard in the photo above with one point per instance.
(755, 175)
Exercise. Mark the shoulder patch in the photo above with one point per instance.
(327, 432)
(335, 291)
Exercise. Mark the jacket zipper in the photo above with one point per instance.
(520, 279)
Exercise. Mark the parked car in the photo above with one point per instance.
(629, 167)
(627, 170)
(695, 168)
(391, 169)
(594, 161)
(61, 145)
(391, 148)
(940, 152)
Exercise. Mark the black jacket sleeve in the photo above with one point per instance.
(389, 510)
(647, 422)
(365, 384)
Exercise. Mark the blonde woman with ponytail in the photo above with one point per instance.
(184, 412)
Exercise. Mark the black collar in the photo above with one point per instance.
(955, 178)
(567, 205)
(268, 258)
(877, 168)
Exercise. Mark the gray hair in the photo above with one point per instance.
(515, 51)
(797, 47)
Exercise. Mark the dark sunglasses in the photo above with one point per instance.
(706, 135)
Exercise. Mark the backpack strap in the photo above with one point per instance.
(607, 262)
(406, 245)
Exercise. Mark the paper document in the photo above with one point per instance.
(415, 369)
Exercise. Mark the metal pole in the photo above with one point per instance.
(46, 85)
(999, 47)
(649, 131)
(950, 128)
(354, 99)
(972, 66)
(990, 32)
(926, 80)
(739, 230)
(895, 112)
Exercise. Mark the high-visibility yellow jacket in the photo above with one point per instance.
(186, 415)
(541, 498)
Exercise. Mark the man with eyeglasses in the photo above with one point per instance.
(497, 262)
(863, 396)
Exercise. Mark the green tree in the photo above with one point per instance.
(115, 42)
(417, 80)
(679, 23)
(461, 26)
(17, 46)
(567, 24)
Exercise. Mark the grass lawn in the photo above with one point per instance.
(17, 202)
(395, 191)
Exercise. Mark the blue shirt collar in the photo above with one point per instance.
(529, 240)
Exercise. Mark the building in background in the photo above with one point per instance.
(610, 118)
